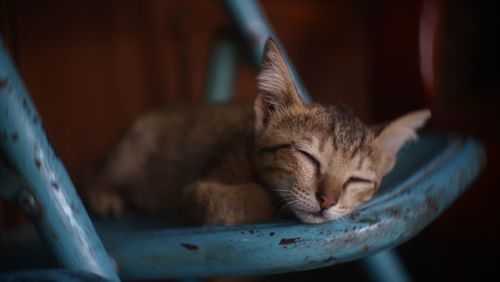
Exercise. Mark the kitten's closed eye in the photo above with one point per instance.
(273, 149)
(309, 156)
(313, 160)
(354, 180)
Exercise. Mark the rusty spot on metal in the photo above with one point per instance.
(369, 221)
(38, 163)
(15, 136)
(190, 247)
(354, 216)
(395, 212)
(432, 204)
(54, 184)
(271, 234)
(329, 259)
(289, 241)
(366, 248)
(312, 262)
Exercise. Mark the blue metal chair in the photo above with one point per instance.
(429, 175)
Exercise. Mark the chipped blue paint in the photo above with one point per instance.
(54, 205)
(428, 177)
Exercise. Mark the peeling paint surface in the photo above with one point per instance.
(289, 241)
(190, 247)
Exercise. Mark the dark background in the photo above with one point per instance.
(92, 66)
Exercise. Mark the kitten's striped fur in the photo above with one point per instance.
(226, 165)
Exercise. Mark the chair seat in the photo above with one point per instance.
(429, 175)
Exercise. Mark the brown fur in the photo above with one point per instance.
(232, 164)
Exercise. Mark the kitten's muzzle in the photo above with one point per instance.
(325, 201)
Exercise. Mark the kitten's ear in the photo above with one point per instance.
(396, 134)
(276, 89)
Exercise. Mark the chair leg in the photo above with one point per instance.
(256, 29)
(386, 266)
(222, 72)
(54, 205)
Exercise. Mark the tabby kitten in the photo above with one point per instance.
(228, 165)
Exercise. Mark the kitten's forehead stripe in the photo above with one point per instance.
(358, 148)
(349, 133)
(312, 120)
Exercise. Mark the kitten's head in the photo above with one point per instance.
(322, 162)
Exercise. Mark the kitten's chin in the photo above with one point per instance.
(311, 218)
(315, 218)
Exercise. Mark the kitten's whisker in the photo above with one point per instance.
(285, 192)
(289, 196)
(289, 204)
(284, 200)
(280, 202)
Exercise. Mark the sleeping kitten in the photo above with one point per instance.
(228, 165)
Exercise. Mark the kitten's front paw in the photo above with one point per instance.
(211, 203)
(106, 204)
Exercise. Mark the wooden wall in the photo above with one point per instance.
(91, 66)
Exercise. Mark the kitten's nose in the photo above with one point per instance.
(325, 202)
